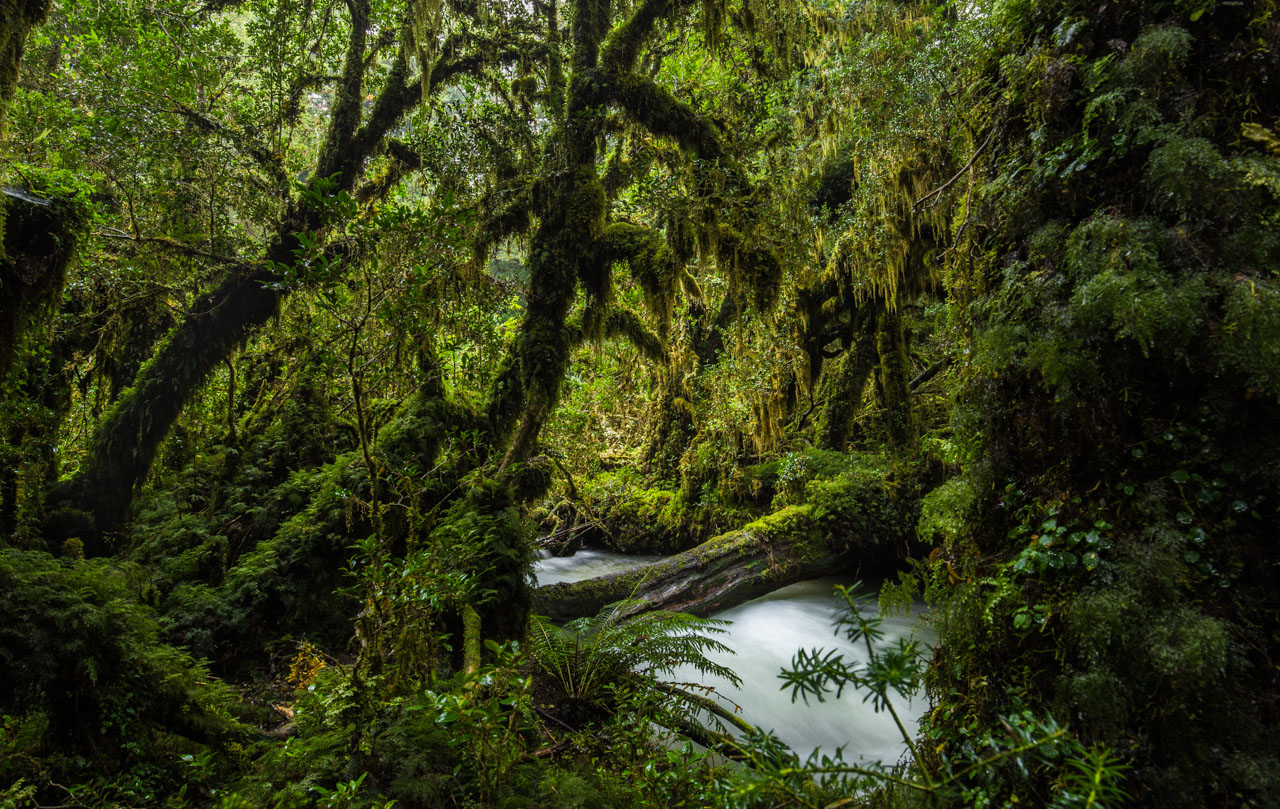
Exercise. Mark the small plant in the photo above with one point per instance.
(1055, 547)
(485, 712)
(587, 657)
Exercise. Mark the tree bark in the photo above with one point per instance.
(891, 383)
(848, 379)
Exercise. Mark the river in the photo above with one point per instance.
(765, 633)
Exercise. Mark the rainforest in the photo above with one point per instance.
(639, 403)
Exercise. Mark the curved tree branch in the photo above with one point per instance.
(660, 112)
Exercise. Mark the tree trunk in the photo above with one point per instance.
(672, 426)
(97, 499)
(17, 18)
(848, 378)
(791, 545)
(37, 238)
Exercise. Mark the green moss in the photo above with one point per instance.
(585, 208)
(644, 250)
(631, 516)
(892, 389)
(783, 481)
(40, 227)
(833, 186)
(848, 501)
(533, 478)
(785, 521)
(844, 381)
(622, 322)
(946, 511)
(20, 17)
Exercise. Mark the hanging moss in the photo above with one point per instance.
(845, 382)
(671, 427)
(652, 264)
(624, 512)
(655, 108)
(527, 385)
(834, 184)
(892, 381)
(626, 324)
(97, 500)
(585, 209)
(38, 238)
(752, 268)
(17, 19)
(533, 479)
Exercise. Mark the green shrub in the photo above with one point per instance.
(86, 679)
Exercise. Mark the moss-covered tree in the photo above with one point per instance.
(96, 499)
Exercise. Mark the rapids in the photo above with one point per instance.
(765, 633)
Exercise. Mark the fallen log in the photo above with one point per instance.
(863, 526)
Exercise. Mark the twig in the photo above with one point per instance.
(937, 191)
(556, 719)
(929, 373)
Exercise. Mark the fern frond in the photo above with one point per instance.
(588, 654)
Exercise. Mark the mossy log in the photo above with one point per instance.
(791, 545)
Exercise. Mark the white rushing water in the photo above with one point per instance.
(586, 564)
(765, 634)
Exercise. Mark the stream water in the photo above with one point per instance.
(765, 633)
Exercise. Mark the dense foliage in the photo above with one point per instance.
(319, 320)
